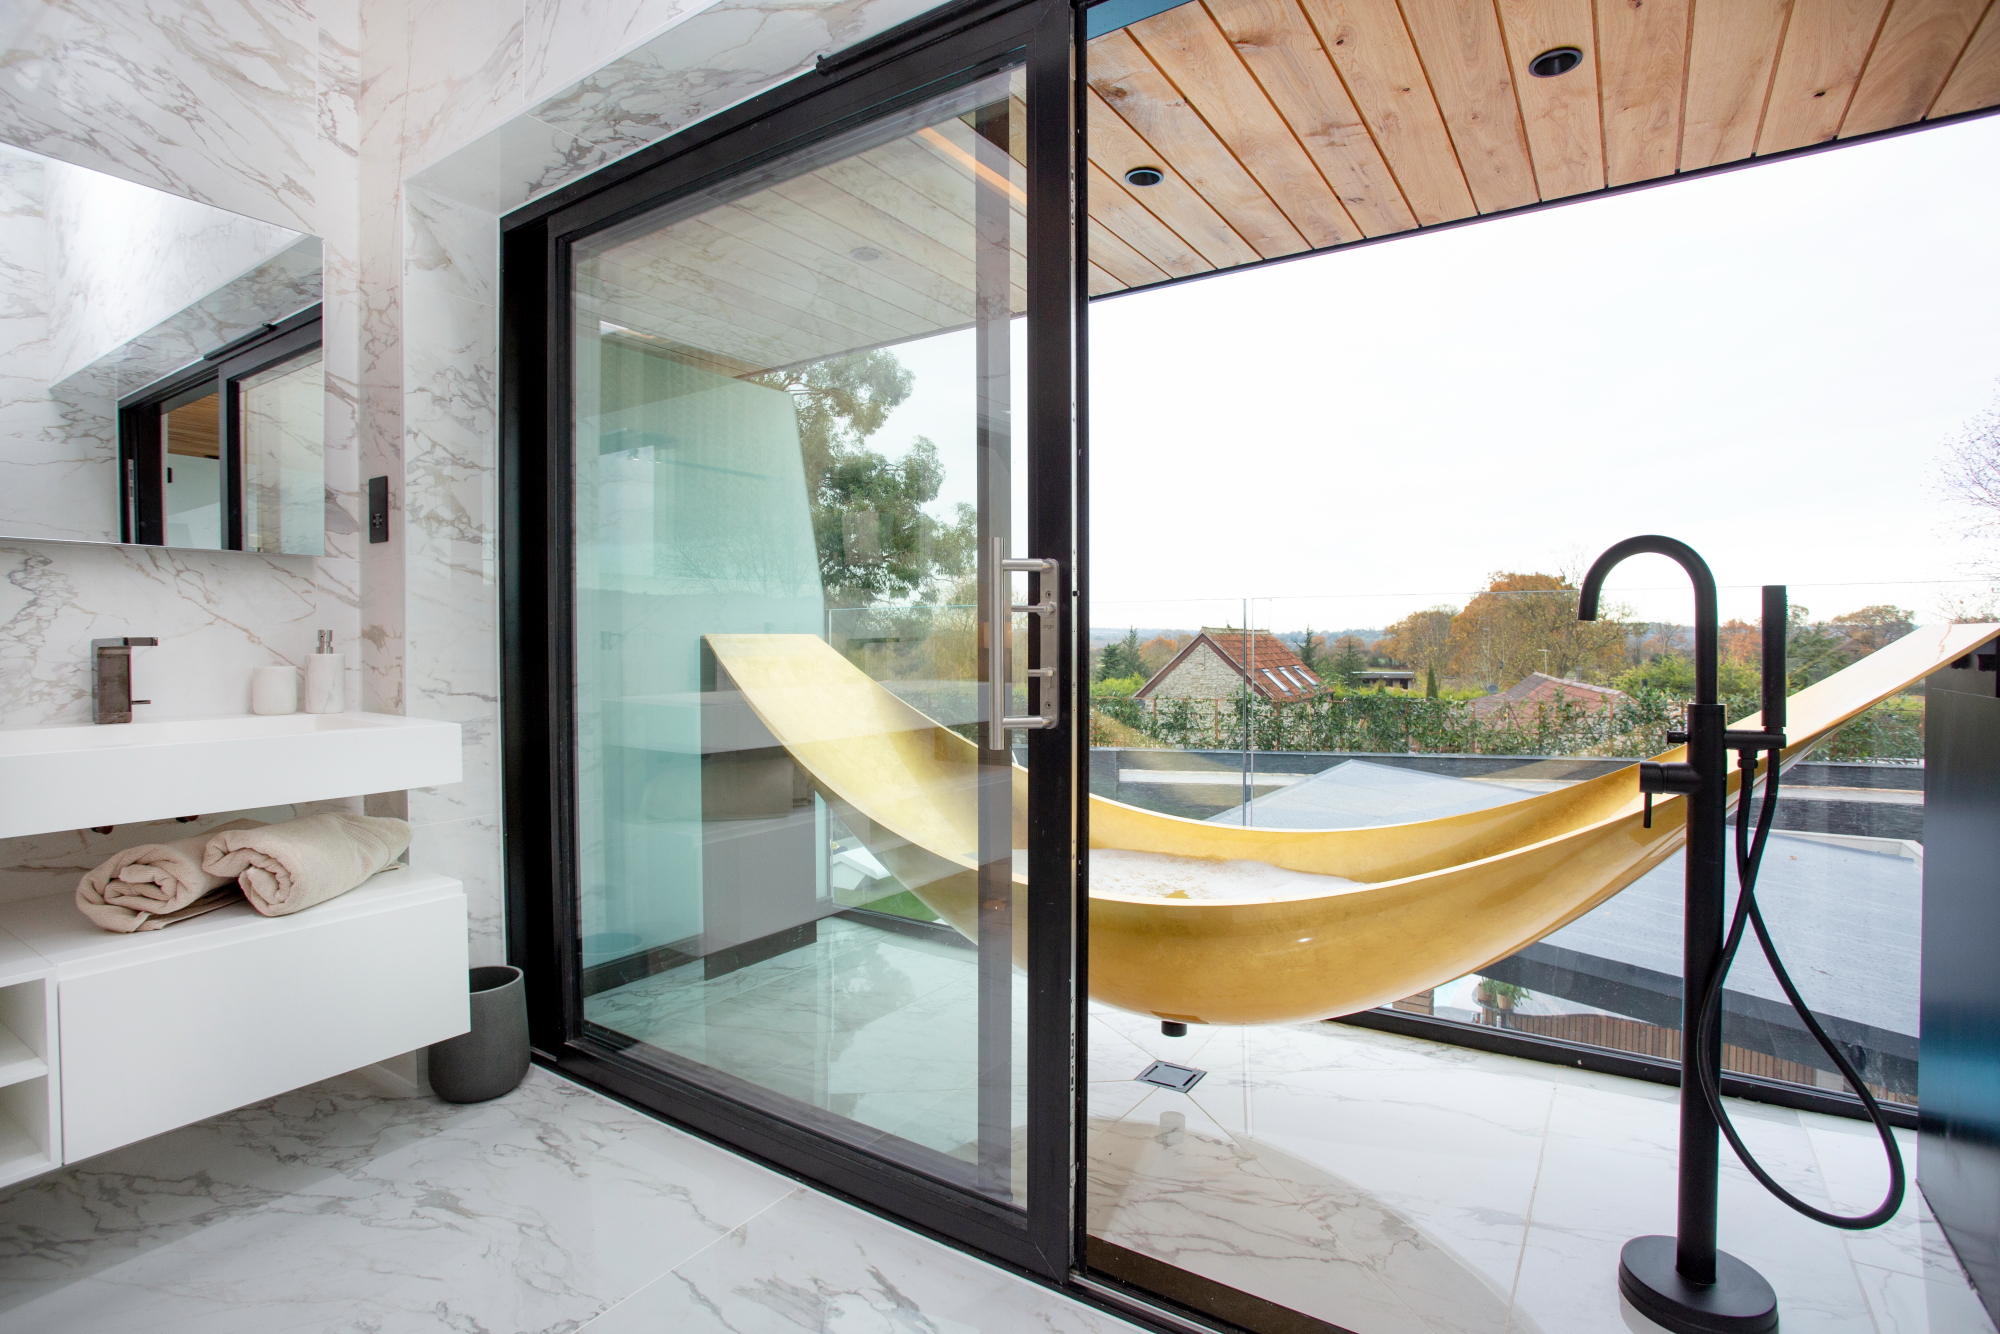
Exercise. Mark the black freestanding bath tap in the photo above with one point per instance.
(1684, 1282)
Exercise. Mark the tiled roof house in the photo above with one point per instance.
(1537, 688)
(1218, 661)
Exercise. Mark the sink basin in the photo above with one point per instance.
(75, 777)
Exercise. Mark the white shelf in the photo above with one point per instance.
(20, 1156)
(16, 1061)
(59, 778)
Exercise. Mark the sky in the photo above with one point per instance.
(1765, 363)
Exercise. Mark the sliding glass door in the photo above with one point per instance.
(807, 628)
(794, 453)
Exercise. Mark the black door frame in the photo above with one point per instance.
(945, 49)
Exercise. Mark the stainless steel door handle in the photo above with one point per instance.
(1000, 644)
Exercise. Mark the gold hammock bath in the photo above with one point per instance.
(1438, 899)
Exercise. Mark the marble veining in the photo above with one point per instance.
(56, 450)
(284, 283)
(550, 1209)
(335, 1208)
(123, 258)
(709, 59)
(211, 100)
(1482, 1191)
(566, 39)
(812, 1263)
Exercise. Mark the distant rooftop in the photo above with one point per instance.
(1538, 688)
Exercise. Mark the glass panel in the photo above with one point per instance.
(1382, 472)
(793, 445)
(193, 434)
(284, 448)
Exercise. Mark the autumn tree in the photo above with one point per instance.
(1740, 641)
(1420, 641)
(1527, 623)
(1158, 651)
(1873, 628)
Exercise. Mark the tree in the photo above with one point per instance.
(1158, 651)
(1121, 659)
(1811, 652)
(875, 540)
(1674, 673)
(1873, 628)
(1347, 663)
(1740, 641)
(1420, 641)
(1527, 623)
(1969, 478)
(1309, 651)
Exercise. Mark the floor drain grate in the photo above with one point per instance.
(1166, 1075)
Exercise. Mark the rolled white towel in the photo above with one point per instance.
(286, 867)
(137, 888)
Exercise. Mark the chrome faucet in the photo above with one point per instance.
(111, 678)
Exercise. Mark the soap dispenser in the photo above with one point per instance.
(326, 673)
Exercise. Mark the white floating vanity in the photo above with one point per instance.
(110, 1038)
(118, 773)
(106, 1038)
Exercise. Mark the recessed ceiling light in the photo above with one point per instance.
(866, 254)
(1144, 176)
(1560, 60)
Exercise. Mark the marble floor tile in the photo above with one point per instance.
(1907, 1304)
(1205, 1046)
(1609, 1175)
(1856, 1170)
(811, 1263)
(1387, 1185)
(1178, 1187)
(332, 1208)
(1524, 1178)
(1109, 1055)
(1454, 1148)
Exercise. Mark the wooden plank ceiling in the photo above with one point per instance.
(1285, 126)
(877, 248)
(1281, 126)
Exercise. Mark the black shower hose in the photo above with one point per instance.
(1749, 855)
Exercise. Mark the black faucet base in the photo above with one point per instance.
(1738, 1302)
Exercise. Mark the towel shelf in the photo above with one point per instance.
(21, 1152)
(17, 1061)
(161, 1028)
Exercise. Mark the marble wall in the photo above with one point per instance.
(398, 131)
(244, 105)
(548, 93)
(122, 258)
(62, 458)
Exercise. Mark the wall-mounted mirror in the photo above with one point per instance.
(160, 376)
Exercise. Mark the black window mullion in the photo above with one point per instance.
(1056, 310)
